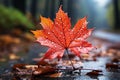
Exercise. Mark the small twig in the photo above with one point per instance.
(76, 69)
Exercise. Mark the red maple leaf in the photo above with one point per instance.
(59, 36)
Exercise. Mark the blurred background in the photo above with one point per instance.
(101, 14)
(19, 17)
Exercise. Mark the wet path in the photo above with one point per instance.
(98, 65)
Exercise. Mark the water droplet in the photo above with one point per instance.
(48, 32)
(61, 33)
(52, 42)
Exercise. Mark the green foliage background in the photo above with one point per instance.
(10, 18)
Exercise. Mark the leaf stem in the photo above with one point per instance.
(70, 59)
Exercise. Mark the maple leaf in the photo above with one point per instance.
(59, 36)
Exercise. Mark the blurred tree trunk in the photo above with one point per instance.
(92, 12)
(47, 8)
(70, 10)
(116, 14)
(20, 5)
(34, 7)
(50, 8)
(52, 11)
(70, 7)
